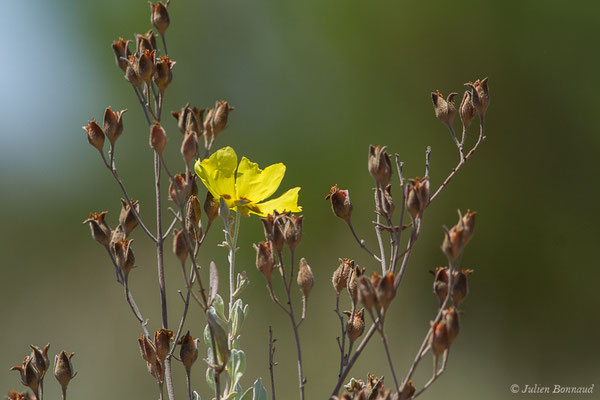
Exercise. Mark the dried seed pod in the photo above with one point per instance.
(95, 135)
(162, 342)
(341, 274)
(459, 235)
(127, 217)
(189, 147)
(113, 124)
(131, 73)
(181, 117)
(468, 223)
(40, 360)
(380, 165)
(145, 42)
(467, 109)
(63, 369)
(417, 198)
(29, 374)
(193, 212)
(460, 286)
(211, 207)
(145, 65)
(352, 283)
(305, 278)
(340, 203)
(292, 232)
(265, 260)
(177, 189)
(384, 289)
(451, 319)
(159, 16)
(158, 138)
(147, 350)
(14, 395)
(121, 49)
(208, 122)
(445, 110)
(481, 95)
(163, 73)
(388, 201)
(356, 325)
(180, 245)
(408, 391)
(124, 256)
(440, 283)
(220, 117)
(273, 226)
(188, 352)
(366, 292)
(438, 340)
(100, 230)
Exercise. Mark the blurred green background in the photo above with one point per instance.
(314, 83)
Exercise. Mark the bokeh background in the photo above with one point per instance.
(314, 83)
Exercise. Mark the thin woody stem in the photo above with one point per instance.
(378, 211)
(271, 362)
(362, 242)
(343, 330)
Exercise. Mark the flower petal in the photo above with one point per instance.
(255, 184)
(286, 202)
(218, 173)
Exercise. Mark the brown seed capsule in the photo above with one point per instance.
(100, 229)
(341, 274)
(177, 189)
(305, 280)
(63, 369)
(208, 123)
(220, 117)
(124, 256)
(467, 109)
(468, 222)
(147, 350)
(438, 340)
(352, 283)
(417, 198)
(445, 110)
(14, 395)
(356, 325)
(211, 207)
(189, 147)
(451, 319)
(408, 391)
(158, 138)
(459, 235)
(388, 201)
(113, 124)
(181, 117)
(340, 203)
(121, 49)
(29, 375)
(131, 73)
(157, 371)
(273, 226)
(193, 212)
(188, 352)
(145, 42)
(145, 65)
(162, 342)
(440, 283)
(95, 135)
(380, 166)
(265, 260)
(292, 232)
(127, 217)
(366, 292)
(159, 16)
(481, 95)
(384, 290)
(163, 74)
(180, 245)
(460, 286)
(40, 360)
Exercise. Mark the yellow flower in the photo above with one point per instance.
(247, 186)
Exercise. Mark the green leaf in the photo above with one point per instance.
(196, 396)
(248, 394)
(260, 393)
(219, 307)
(236, 366)
(237, 318)
(210, 378)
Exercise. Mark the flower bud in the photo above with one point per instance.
(340, 203)
(95, 135)
(113, 124)
(305, 279)
(100, 229)
(460, 286)
(480, 95)
(127, 218)
(380, 165)
(211, 207)
(147, 350)
(417, 198)
(40, 360)
(163, 74)
(265, 260)
(451, 319)
(131, 73)
(445, 110)
(366, 292)
(180, 245)
(188, 352)
(292, 232)
(29, 375)
(273, 226)
(467, 109)
(189, 147)
(145, 42)
(408, 391)
(384, 289)
(438, 340)
(220, 116)
(440, 283)
(121, 49)
(341, 274)
(145, 65)
(124, 256)
(63, 369)
(158, 138)
(159, 16)
(356, 325)
(162, 342)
